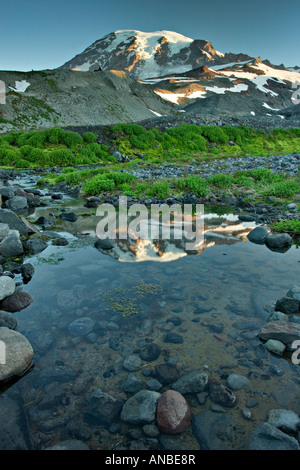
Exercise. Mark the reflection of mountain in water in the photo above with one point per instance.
(217, 230)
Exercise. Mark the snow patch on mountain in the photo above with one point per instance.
(20, 86)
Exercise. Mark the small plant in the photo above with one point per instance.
(161, 190)
(221, 180)
(97, 185)
(195, 184)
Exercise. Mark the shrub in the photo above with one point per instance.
(221, 180)
(71, 139)
(90, 137)
(287, 226)
(284, 189)
(97, 185)
(195, 184)
(121, 178)
(61, 157)
(56, 135)
(161, 190)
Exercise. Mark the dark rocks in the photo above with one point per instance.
(279, 242)
(105, 244)
(11, 245)
(44, 222)
(102, 408)
(268, 437)
(16, 302)
(140, 408)
(41, 340)
(27, 271)
(6, 319)
(221, 395)
(17, 203)
(258, 235)
(211, 429)
(285, 332)
(56, 196)
(13, 432)
(192, 382)
(68, 444)
(288, 305)
(132, 363)
(174, 338)
(150, 352)
(173, 413)
(131, 384)
(36, 245)
(8, 217)
(166, 373)
(53, 396)
(81, 326)
(68, 216)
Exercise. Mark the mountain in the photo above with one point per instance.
(133, 76)
(146, 55)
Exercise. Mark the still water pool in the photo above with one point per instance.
(127, 298)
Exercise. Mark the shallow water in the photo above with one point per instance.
(230, 281)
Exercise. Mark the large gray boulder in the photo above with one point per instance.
(7, 286)
(17, 203)
(11, 245)
(17, 354)
(8, 217)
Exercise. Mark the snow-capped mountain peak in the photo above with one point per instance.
(145, 55)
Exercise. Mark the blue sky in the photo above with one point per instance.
(35, 34)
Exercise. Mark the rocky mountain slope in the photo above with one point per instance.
(61, 98)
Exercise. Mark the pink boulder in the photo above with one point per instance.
(173, 413)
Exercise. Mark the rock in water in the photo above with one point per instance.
(258, 235)
(268, 437)
(221, 395)
(173, 413)
(16, 302)
(7, 287)
(140, 408)
(279, 242)
(17, 355)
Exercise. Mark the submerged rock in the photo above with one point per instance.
(192, 382)
(285, 332)
(221, 395)
(140, 408)
(268, 437)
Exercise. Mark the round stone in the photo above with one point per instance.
(173, 413)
